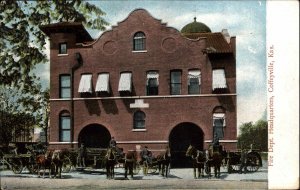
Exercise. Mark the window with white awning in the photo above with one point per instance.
(85, 85)
(219, 79)
(125, 83)
(152, 83)
(102, 84)
(194, 81)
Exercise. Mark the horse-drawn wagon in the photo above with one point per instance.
(233, 161)
(18, 156)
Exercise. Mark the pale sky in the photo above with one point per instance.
(244, 19)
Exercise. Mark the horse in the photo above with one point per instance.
(43, 162)
(198, 160)
(163, 161)
(129, 163)
(57, 161)
(110, 161)
(214, 158)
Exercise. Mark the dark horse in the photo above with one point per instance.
(163, 161)
(57, 160)
(110, 161)
(214, 157)
(130, 162)
(198, 160)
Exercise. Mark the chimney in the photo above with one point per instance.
(226, 35)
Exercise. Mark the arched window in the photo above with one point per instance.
(64, 127)
(139, 41)
(139, 120)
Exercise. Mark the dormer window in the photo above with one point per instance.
(139, 41)
(63, 48)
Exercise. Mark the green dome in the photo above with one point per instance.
(195, 27)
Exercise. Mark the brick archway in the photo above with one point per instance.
(181, 136)
(94, 136)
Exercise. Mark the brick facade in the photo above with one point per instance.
(166, 50)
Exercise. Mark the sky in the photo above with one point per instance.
(244, 19)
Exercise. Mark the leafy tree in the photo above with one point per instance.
(21, 40)
(22, 48)
(256, 134)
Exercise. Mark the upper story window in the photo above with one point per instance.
(139, 41)
(139, 120)
(64, 86)
(64, 127)
(194, 81)
(85, 85)
(62, 48)
(175, 86)
(219, 80)
(152, 83)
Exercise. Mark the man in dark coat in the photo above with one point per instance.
(81, 156)
(146, 155)
(243, 162)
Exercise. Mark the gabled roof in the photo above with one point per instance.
(68, 27)
(215, 41)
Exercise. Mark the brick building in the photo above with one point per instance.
(144, 83)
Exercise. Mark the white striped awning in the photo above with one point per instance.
(194, 74)
(85, 84)
(125, 82)
(219, 79)
(102, 84)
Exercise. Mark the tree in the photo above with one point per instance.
(22, 48)
(256, 134)
(21, 40)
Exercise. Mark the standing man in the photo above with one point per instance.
(243, 162)
(81, 156)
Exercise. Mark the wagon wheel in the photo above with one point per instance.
(16, 166)
(252, 163)
(207, 168)
(67, 164)
(152, 169)
(136, 168)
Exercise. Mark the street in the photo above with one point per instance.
(96, 179)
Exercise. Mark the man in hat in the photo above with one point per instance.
(146, 155)
(112, 142)
(81, 156)
(243, 162)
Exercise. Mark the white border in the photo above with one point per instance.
(283, 35)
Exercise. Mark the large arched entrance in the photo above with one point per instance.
(94, 136)
(180, 138)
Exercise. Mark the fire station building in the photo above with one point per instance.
(143, 83)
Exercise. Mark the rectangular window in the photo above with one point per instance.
(175, 82)
(219, 124)
(194, 81)
(219, 79)
(63, 48)
(65, 129)
(65, 86)
(152, 83)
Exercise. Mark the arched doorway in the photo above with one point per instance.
(180, 138)
(94, 136)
